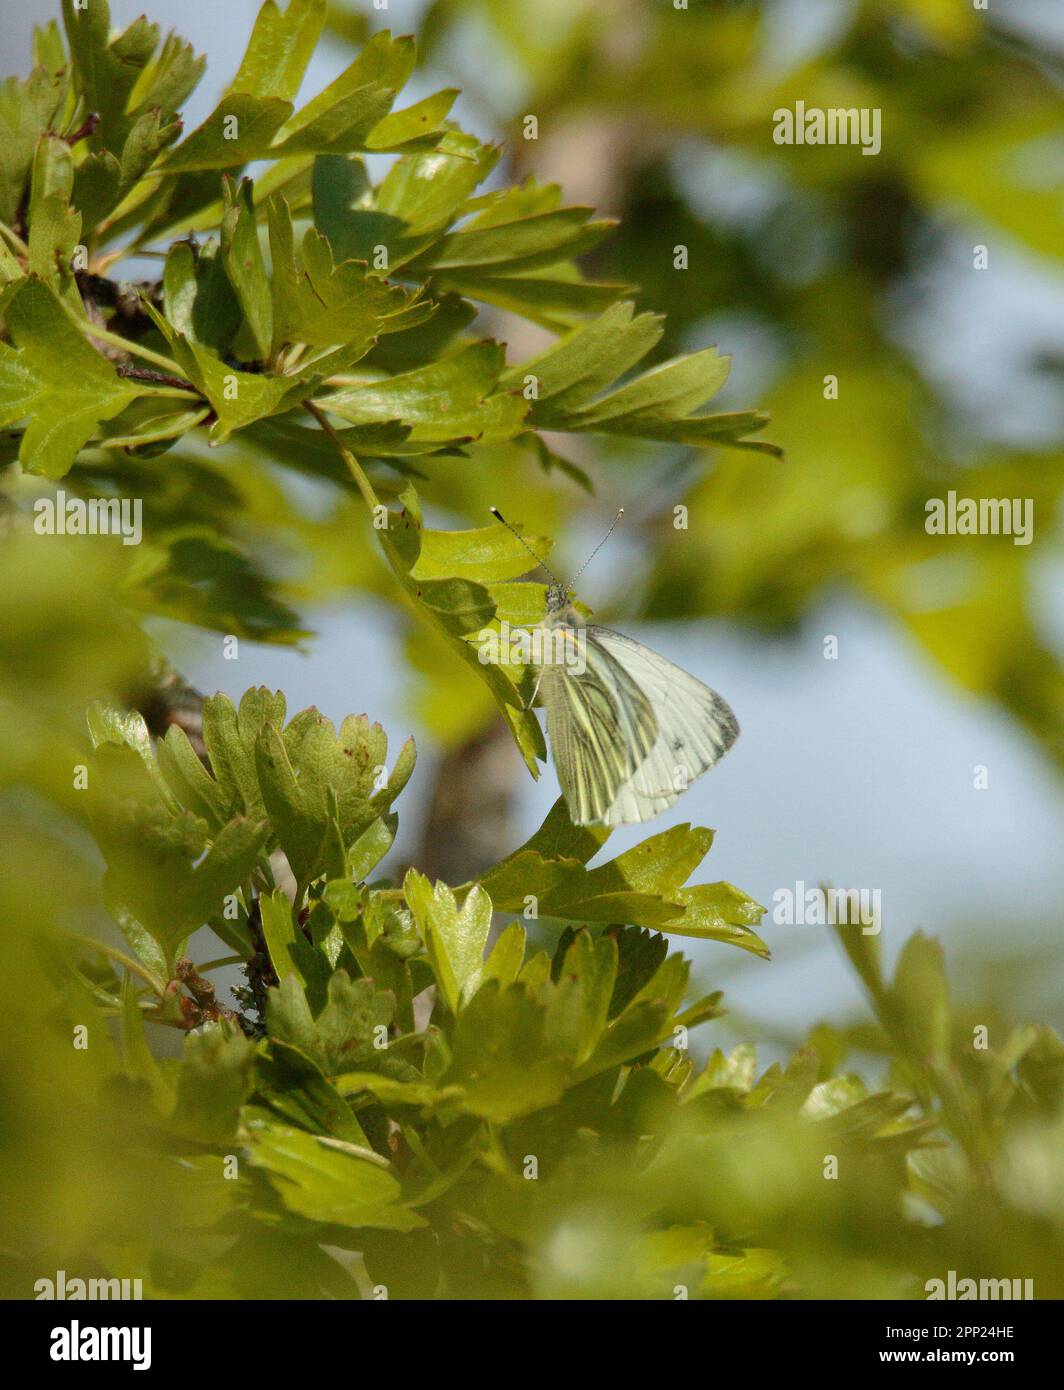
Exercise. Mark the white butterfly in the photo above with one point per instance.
(629, 730)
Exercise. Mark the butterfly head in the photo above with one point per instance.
(560, 609)
(557, 598)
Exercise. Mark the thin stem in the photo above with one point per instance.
(222, 960)
(364, 485)
(16, 241)
(127, 962)
(92, 330)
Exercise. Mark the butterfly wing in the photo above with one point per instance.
(695, 728)
(601, 728)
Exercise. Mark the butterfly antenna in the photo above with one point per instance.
(602, 542)
(513, 531)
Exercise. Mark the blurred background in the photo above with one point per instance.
(803, 263)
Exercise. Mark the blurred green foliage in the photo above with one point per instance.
(407, 1097)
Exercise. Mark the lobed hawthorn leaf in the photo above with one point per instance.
(213, 1083)
(456, 607)
(126, 728)
(198, 296)
(27, 111)
(380, 70)
(237, 398)
(344, 127)
(484, 554)
(425, 190)
(344, 1036)
(571, 374)
(280, 48)
(454, 936)
(328, 1181)
(166, 867)
(246, 268)
(231, 735)
(580, 1012)
(168, 79)
(294, 1088)
(54, 227)
(554, 296)
(669, 390)
(102, 179)
(54, 378)
(642, 887)
(328, 306)
(370, 847)
(107, 69)
(501, 1055)
(414, 127)
(454, 400)
(259, 100)
(521, 245)
(282, 945)
(239, 129)
(322, 791)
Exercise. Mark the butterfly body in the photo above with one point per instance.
(629, 730)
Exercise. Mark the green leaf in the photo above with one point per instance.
(454, 937)
(198, 295)
(341, 116)
(574, 370)
(370, 847)
(279, 933)
(667, 391)
(103, 179)
(330, 1181)
(231, 735)
(484, 554)
(279, 49)
(55, 379)
(246, 266)
(54, 227)
(317, 787)
(501, 1055)
(137, 1055)
(238, 398)
(27, 110)
(919, 999)
(452, 400)
(170, 870)
(348, 1032)
(518, 245)
(213, 1083)
(424, 191)
(417, 125)
(297, 1091)
(572, 373)
(240, 128)
(326, 306)
(642, 887)
(719, 912)
(107, 70)
(259, 100)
